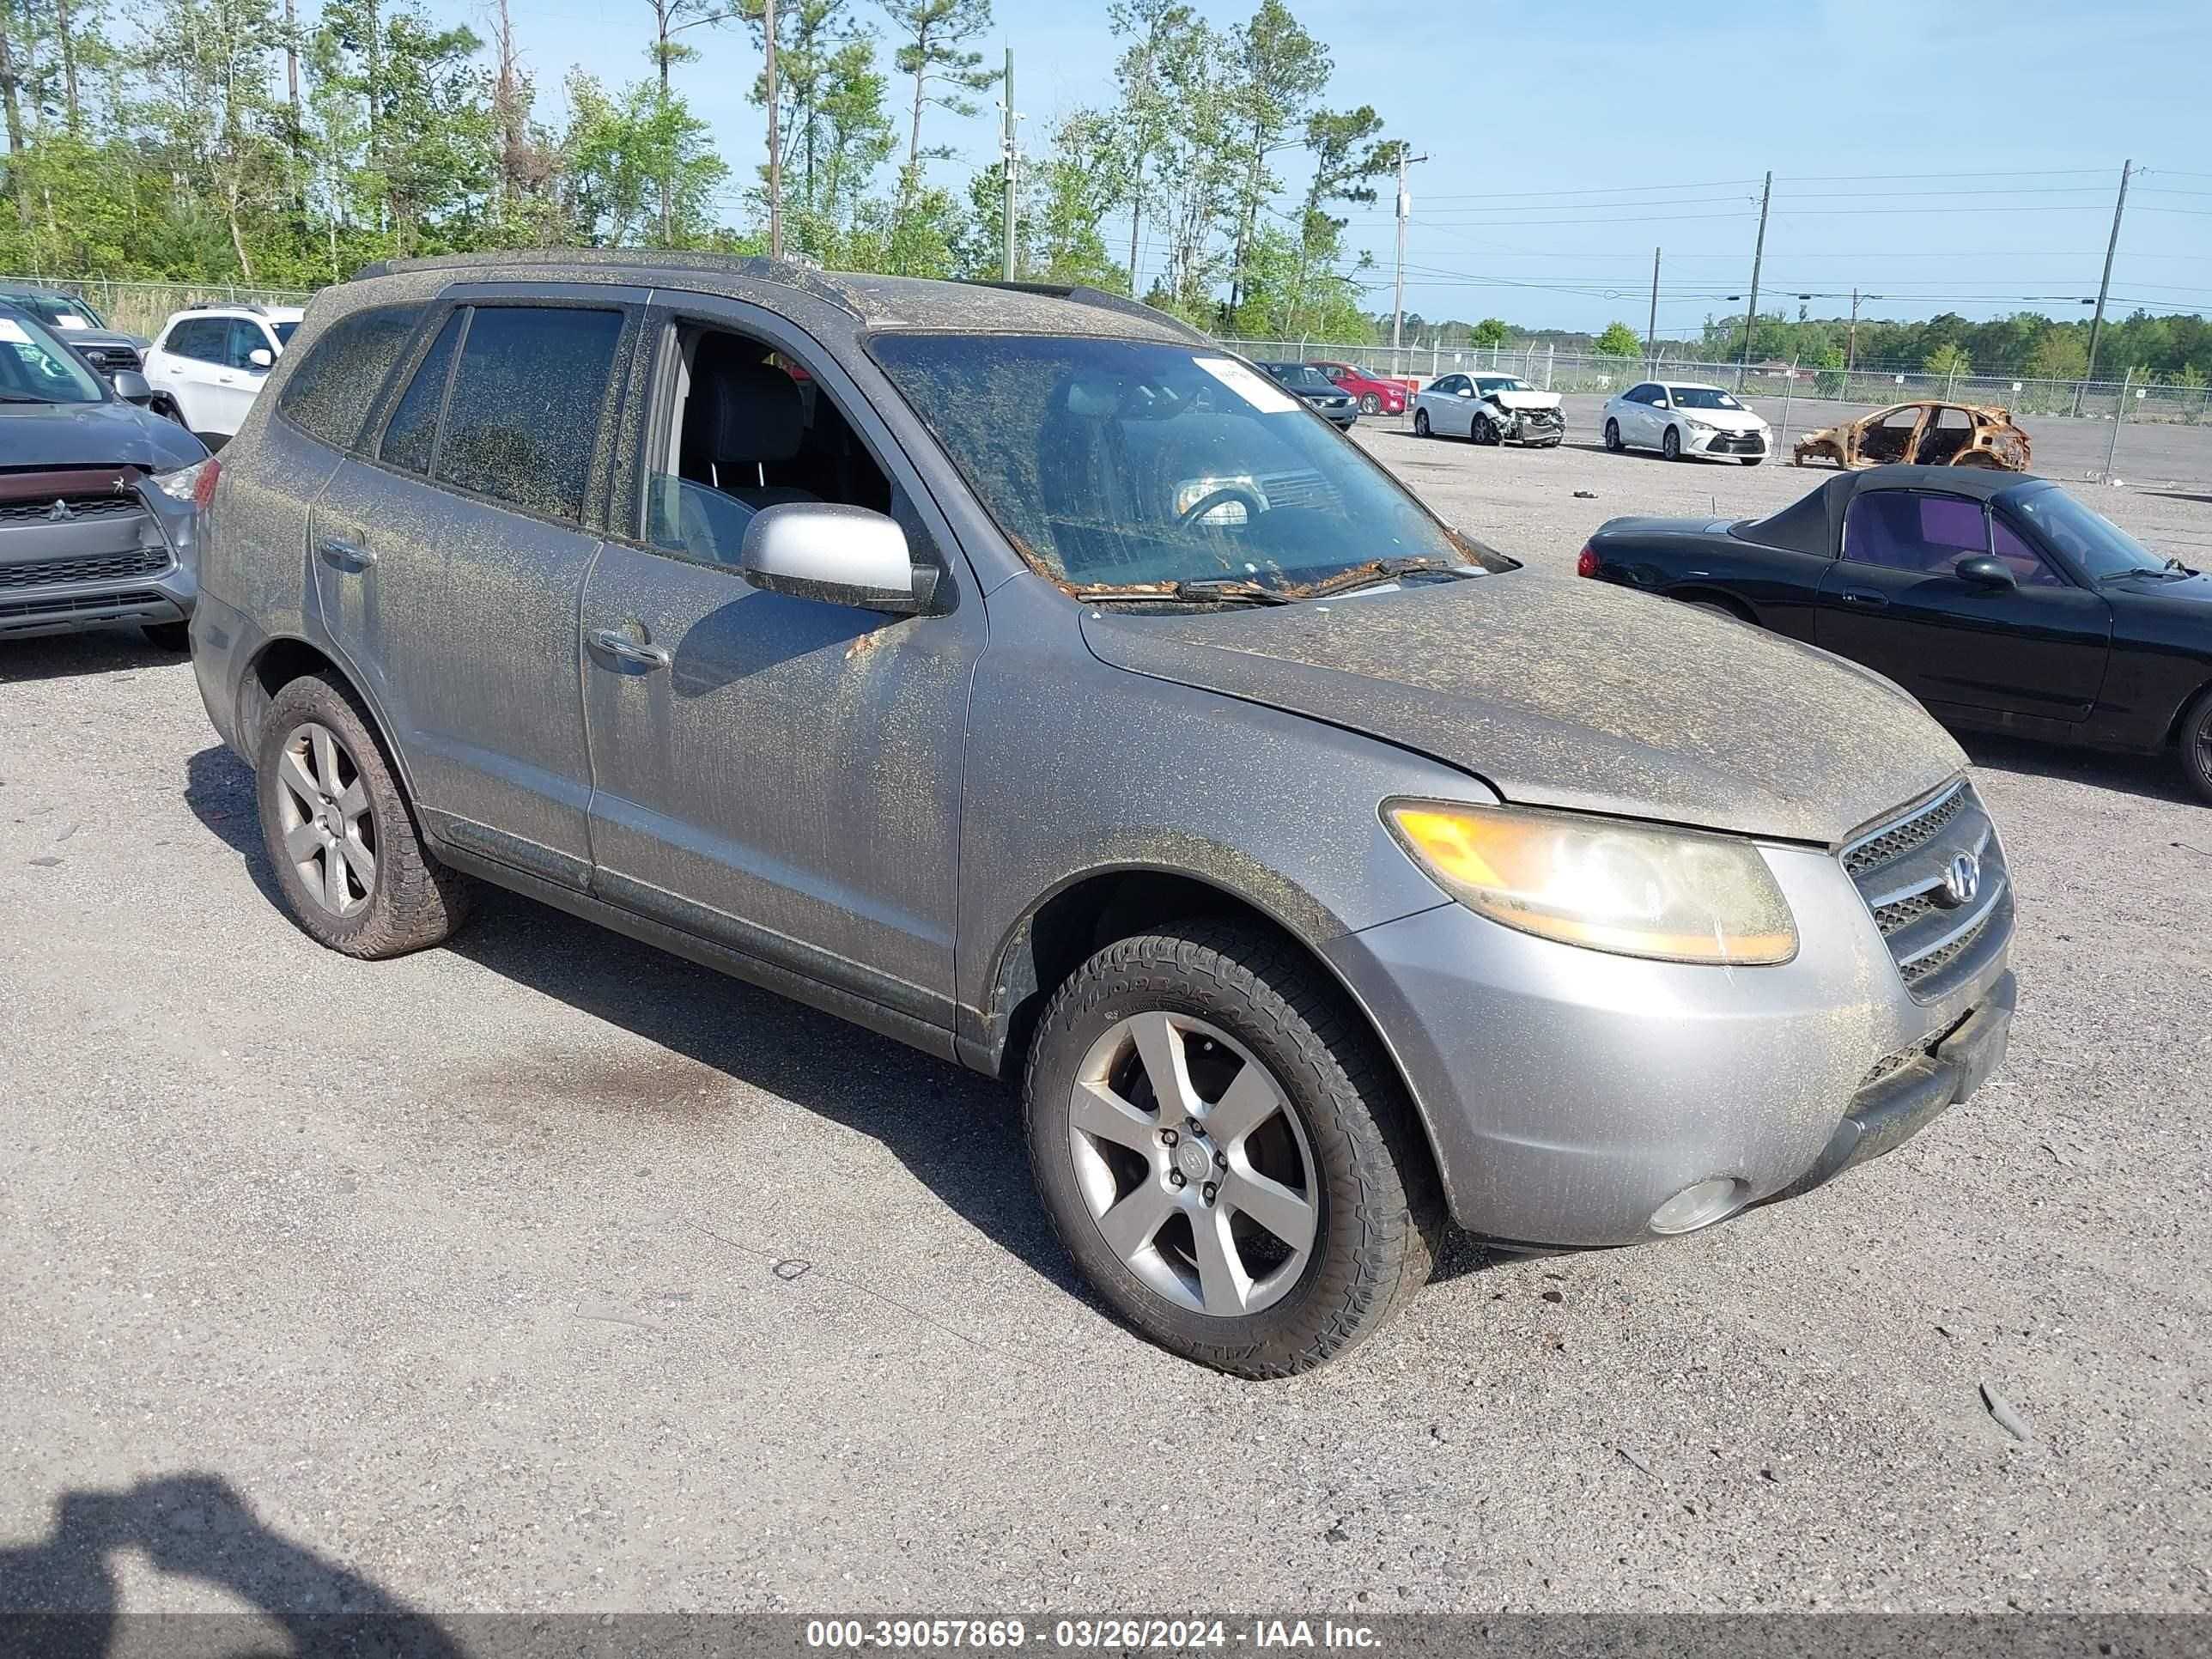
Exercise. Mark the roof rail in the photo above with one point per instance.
(784, 272)
(1083, 294)
(253, 306)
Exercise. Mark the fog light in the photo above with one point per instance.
(1698, 1206)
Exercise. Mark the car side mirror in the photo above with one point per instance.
(837, 555)
(1465, 392)
(131, 386)
(259, 357)
(1661, 402)
(1982, 571)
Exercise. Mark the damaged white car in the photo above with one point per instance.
(1490, 409)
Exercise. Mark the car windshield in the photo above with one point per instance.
(1703, 397)
(60, 311)
(2084, 535)
(1489, 383)
(36, 367)
(284, 332)
(1113, 462)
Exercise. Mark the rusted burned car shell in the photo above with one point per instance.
(1991, 439)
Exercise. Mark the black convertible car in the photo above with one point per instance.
(2001, 602)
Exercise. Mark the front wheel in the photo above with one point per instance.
(1671, 445)
(2197, 745)
(1481, 431)
(1224, 1152)
(349, 855)
(1369, 403)
(1420, 423)
(1613, 437)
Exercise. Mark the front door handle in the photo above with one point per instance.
(349, 556)
(1865, 600)
(635, 658)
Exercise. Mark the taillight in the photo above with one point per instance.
(203, 487)
(1586, 565)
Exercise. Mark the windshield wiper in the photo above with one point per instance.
(22, 397)
(2170, 568)
(1204, 590)
(1380, 570)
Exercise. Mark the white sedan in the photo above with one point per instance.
(1684, 417)
(1490, 409)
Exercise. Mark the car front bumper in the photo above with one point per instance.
(1727, 445)
(60, 577)
(1570, 1095)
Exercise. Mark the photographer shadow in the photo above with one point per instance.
(58, 1596)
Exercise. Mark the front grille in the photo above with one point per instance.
(1735, 443)
(1541, 417)
(115, 358)
(77, 507)
(140, 562)
(1901, 838)
(1900, 869)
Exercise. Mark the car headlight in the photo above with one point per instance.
(184, 483)
(1697, 425)
(1630, 889)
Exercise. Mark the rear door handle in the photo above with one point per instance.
(635, 658)
(1865, 600)
(349, 556)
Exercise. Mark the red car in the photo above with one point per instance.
(1376, 396)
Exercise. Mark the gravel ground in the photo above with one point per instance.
(547, 1273)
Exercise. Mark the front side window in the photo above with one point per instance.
(1109, 462)
(284, 332)
(1924, 534)
(2029, 567)
(328, 393)
(522, 422)
(35, 367)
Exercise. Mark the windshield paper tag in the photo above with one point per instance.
(68, 319)
(11, 332)
(1261, 393)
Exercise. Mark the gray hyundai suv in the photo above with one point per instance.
(1015, 671)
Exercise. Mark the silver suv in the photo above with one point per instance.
(1016, 672)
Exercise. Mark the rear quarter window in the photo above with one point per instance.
(328, 392)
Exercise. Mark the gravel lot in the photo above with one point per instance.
(546, 1273)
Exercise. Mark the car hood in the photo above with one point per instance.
(1727, 420)
(1572, 694)
(100, 336)
(1523, 399)
(113, 434)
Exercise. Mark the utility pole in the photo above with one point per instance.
(1758, 258)
(1013, 161)
(2103, 288)
(1397, 302)
(1651, 329)
(774, 142)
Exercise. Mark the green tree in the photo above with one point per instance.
(933, 53)
(1144, 114)
(2058, 355)
(1348, 152)
(1490, 333)
(631, 161)
(1949, 360)
(1618, 340)
(1277, 72)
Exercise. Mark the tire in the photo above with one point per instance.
(396, 899)
(1330, 1117)
(167, 636)
(1480, 431)
(1613, 437)
(1421, 424)
(1369, 403)
(2197, 745)
(1671, 445)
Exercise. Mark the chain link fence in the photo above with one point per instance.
(142, 307)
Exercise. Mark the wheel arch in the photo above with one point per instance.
(1699, 593)
(1093, 909)
(2183, 710)
(275, 663)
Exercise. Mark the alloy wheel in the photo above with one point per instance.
(330, 833)
(1194, 1165)
(1369, 403)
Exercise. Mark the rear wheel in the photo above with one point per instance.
(1420, 423)
(2197, 745)
(349, 855)
(1613, 437)
(1224, 1151)
(1671, 445)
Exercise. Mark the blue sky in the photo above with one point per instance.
(1947, 156)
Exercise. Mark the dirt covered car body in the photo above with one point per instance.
(1926, 432)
